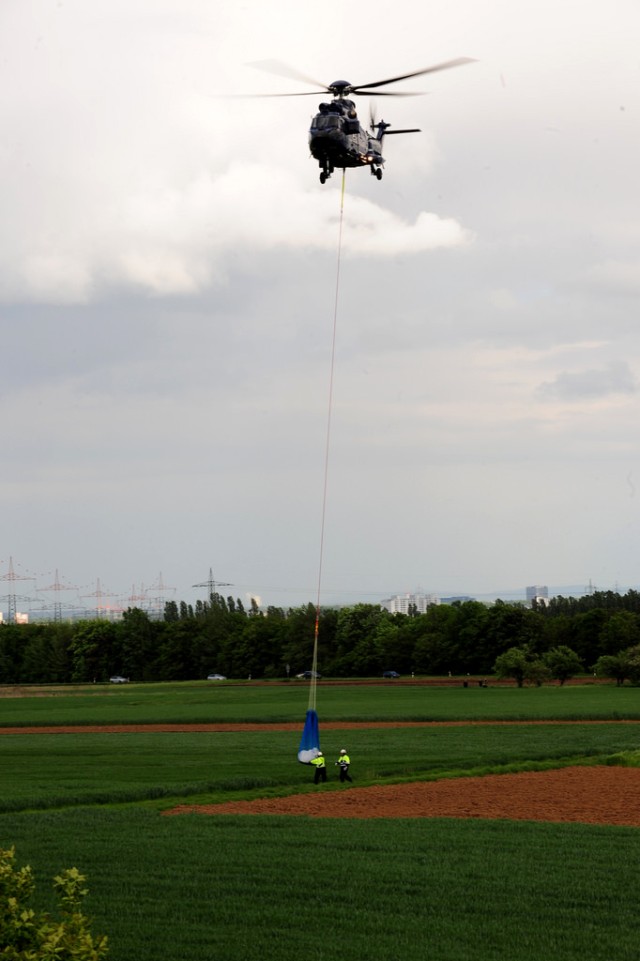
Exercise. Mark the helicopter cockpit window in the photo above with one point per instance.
(327, 122)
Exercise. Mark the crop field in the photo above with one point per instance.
(232, 887)
(197, 702)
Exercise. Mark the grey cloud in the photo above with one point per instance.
(615, 378)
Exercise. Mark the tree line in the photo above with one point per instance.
(221, 635)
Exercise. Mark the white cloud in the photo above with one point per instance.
(179, 239)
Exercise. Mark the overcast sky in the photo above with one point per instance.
(168, 278)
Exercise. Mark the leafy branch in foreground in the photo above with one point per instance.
(27, 936)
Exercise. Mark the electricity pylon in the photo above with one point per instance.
(57, 586)
(212, 584)
(12, 577)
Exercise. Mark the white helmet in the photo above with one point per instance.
(320, 754)
(343, 751)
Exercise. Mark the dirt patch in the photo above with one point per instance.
(288, 726)
(588, 795)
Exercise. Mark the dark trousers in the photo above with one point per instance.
(344, 774)
(320, 775)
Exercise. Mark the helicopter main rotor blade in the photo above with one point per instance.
(459, 62)
(284, 70)
(252, 96)
(385, 93)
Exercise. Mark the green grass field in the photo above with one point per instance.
(196, 888)
(201, 702)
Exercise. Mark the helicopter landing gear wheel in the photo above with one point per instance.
(379, 174)
(323, 177)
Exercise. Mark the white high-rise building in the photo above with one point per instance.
(537, 592)
(409, 603)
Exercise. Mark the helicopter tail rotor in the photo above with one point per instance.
(380, 128)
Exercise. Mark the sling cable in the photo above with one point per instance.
(310, 741)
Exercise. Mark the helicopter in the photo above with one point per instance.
(336, 136)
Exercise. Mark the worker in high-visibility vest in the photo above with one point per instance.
(321, 768)
(343, 763)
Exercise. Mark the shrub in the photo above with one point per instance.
(27, 936)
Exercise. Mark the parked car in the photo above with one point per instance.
(216, 677)
(117, 679)
(391, 674)
(307, 675)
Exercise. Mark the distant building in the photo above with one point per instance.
(21, 618)
(537, 591)
(409, 603)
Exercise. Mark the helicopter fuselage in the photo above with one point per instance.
(336, 139)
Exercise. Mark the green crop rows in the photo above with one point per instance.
(197, 888)
(199, 702)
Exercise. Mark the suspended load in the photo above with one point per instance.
(310, 740)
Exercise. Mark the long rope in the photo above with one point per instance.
(314, 666)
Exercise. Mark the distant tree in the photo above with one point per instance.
(562, 663)
(175, 657)
(622, 666)
(12, 637)
(513, 664)
(620, 632)
(510, 625)
(171, 612)
(254, 610)
(471, 650)
(298, 646)
(632, 601)
(37, 654)
(537, 672)
(521, 664)
(632, 657)
(138, 647)
(585, 632)
(386, 645)
(95, 653)
(435, 637)
(357, 650)
(258, 649)
(614, 666)
(276, 613)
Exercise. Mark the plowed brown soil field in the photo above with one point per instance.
(590, 795)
